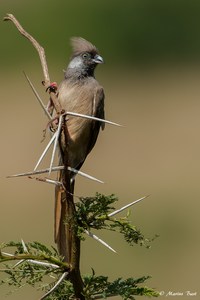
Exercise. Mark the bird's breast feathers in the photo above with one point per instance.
(83, 97)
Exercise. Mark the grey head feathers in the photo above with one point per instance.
(80, 45)
(84, 59)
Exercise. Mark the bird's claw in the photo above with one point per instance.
(52, 88)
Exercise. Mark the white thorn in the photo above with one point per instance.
(99, 240)
(36, 172)
(84, 175)
(126, 206)
(45, 151)
(44, 264)
(55, 143)
(36, 262)
(24, 247)
(63, 276)
(18, 263)
(51, 181)
(11, 255)
(58, 168)
(38, 97)
(90, 117)
(8, 254)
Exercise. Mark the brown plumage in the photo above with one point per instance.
(79, 92)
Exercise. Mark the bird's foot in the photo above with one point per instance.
(52, 88)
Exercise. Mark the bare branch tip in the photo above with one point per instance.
(6, 18)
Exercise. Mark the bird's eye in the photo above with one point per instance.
(86, 55)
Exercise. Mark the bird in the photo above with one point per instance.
(81, 93)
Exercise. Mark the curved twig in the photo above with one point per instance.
(42, 56)
(40, 49)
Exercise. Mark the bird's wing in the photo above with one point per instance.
(98, 111)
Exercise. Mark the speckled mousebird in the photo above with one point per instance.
(79, 92)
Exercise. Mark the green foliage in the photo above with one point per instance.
(31, 264)
(34, 263)
(93, 212)
(99, 287)
(27, 271)
(24, 274)
(31, 250)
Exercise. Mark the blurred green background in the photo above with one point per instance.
(151, 79)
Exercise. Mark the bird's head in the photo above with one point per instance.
(85, 57)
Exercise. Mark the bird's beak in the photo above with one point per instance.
(98, 59)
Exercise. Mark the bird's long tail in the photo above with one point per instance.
(61, 231)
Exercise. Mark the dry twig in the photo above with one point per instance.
(41, 53)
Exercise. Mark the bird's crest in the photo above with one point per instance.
(80, 45)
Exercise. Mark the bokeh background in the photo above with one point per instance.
(152, 85)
